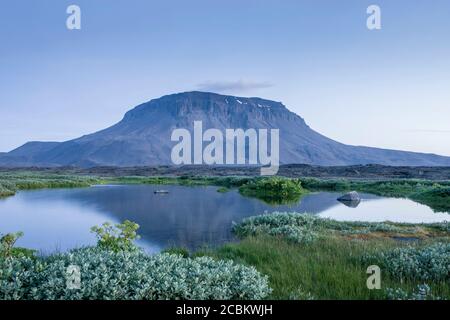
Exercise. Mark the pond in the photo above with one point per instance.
(60, 219)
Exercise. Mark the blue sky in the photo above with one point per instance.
(386, 88)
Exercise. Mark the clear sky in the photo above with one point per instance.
(386, 88)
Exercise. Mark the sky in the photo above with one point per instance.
(386, 88)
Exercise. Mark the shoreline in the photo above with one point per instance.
(369, 171)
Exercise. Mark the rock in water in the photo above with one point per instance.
(351, 196)
(351, 204)
(351, 199)
(161, 191)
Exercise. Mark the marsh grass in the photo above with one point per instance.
(437, 198)
(325, 269)
(10, 183)
(308, 257)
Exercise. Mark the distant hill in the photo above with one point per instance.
(142, 137)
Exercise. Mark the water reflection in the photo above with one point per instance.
(350, 204)
(186, 216)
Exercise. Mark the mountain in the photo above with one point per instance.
(142, 137)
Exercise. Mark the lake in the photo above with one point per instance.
(60, 219)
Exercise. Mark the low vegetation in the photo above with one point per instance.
(128, 275)
(225, 182)
(117, 237)
(431, 263)
(421, 292)
(7, 249)
(324, 269)
(437, 198)
(307, 257)
(273, 190)
(300, 228)
(223, 190)
(10, 183)
(117, 269)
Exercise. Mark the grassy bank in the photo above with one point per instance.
(226, 182)
(431, 193)
(326, 269)
(273, 190)
(10, 183)
(312, 258)
(437, 198)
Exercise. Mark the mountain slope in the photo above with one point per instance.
(142, 137)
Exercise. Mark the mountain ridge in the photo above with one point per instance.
(142, 137)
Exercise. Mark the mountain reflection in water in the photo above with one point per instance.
(186, 216)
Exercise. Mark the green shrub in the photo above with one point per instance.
(184, 252)
(300, 227)
(326, 184)
(7, 188)
(118, 237)
(293, 226)
(422, 292)
(231, 182)
(430, 263)
(297, 234)
(7, 243)
(437, 198)
(18, 277)
(441, 226)
(274, 190)
(357, 227)
(107, 274)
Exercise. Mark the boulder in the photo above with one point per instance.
(351, 196)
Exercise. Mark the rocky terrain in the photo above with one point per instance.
(353, 172)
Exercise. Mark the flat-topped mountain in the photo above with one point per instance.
(143, 136)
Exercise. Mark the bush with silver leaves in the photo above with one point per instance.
(305, 228)
(430, 263)
(299, 228)
(107, 274)
(421, 292)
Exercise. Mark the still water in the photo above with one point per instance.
(60, 219)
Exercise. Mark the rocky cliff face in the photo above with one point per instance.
(142, 137)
